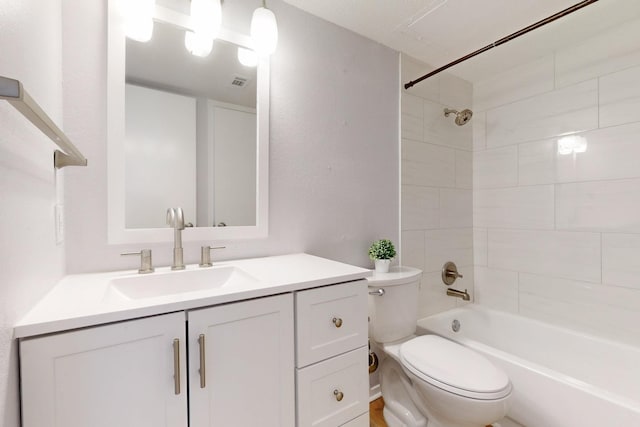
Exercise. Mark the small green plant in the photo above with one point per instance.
(382, 249)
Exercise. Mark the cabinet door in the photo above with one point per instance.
(245, 376)
(114, 375)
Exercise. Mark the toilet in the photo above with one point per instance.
(428, 381)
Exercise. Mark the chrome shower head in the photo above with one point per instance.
(462, 117)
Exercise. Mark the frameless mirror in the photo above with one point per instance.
(185, 131)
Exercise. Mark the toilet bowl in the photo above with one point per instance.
(429, 381)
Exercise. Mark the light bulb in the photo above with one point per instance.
(264, 31)
(206, 19)
(138, 16)
(197, 45)
(247, 57)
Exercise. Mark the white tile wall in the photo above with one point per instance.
(537, 162)
(448, 245)
(427, 164)
(519, 83)
(620, 97)
(420, 208)
(412, 106)
(456, 208)
(620, 255)
(608, 311)
(497, 289)
(518, 207)
(605, 53)
(611, 154)
(497, 167)
(557, 237)
(599, 206)
(433, 295)
(464, 169)
(455, 92)
(427, 89)
(437, 180)
(412, 127)
(479, 130)
(480, 249)
(571, 109)
(412, 248)
(442, 130)
(571, 255)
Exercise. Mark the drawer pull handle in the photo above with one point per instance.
(176, 366)
(203, 372)
(338, 394)
(337, 321)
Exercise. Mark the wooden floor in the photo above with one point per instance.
(375, 413)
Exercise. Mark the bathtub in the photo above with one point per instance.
(561, 378)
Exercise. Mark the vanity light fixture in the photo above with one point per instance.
(206, 20)
(264, 31)
(247, 57)
(138, 16)
(572, 144)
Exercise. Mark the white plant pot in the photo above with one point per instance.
(382, 265)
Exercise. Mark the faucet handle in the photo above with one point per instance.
(146, 264)
(205, 255)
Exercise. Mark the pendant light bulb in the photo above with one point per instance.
(264, 31)
(247, 57)
(206, 20)
(138, 16)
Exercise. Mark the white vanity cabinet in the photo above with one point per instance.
(241, 364)
(115, 375)
(124, 374)
(332, 376)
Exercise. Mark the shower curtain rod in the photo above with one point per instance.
(503, 40)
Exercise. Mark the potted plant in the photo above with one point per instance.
(382, 252)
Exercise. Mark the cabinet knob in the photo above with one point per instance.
(338, 394)
(337, 321)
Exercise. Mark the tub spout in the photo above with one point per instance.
(456, 293)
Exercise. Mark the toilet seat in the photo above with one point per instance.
(454, 368)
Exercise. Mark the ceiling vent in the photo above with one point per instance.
(239, 81)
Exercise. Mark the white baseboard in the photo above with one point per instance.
(374, 393)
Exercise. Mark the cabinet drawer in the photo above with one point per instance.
(330, 320)
(320, 386)
(361, 421)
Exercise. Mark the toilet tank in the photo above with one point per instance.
(393, 315)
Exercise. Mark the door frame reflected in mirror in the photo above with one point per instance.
(117, 231)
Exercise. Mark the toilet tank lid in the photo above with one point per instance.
(399, 275)
(452, 364)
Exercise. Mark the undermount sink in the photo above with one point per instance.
(179, 282)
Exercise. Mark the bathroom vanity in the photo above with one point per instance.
(277, 341)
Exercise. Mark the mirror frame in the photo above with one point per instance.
(117, 231)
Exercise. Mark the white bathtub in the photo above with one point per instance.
(561, 378)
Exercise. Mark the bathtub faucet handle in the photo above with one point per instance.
(450, 273)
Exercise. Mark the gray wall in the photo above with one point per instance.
(334, 144)
(30, 260)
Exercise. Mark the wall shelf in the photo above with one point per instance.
(13, 92)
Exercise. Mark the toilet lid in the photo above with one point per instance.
(453, 367)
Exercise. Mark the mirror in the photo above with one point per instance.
(185, 131)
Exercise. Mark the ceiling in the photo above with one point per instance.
(440, 31)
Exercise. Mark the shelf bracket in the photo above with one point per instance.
(11, 90)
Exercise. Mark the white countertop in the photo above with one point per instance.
(84, 299)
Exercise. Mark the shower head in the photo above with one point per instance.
(462, 117)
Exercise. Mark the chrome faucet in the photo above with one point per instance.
(175, 219)
(456, 293)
